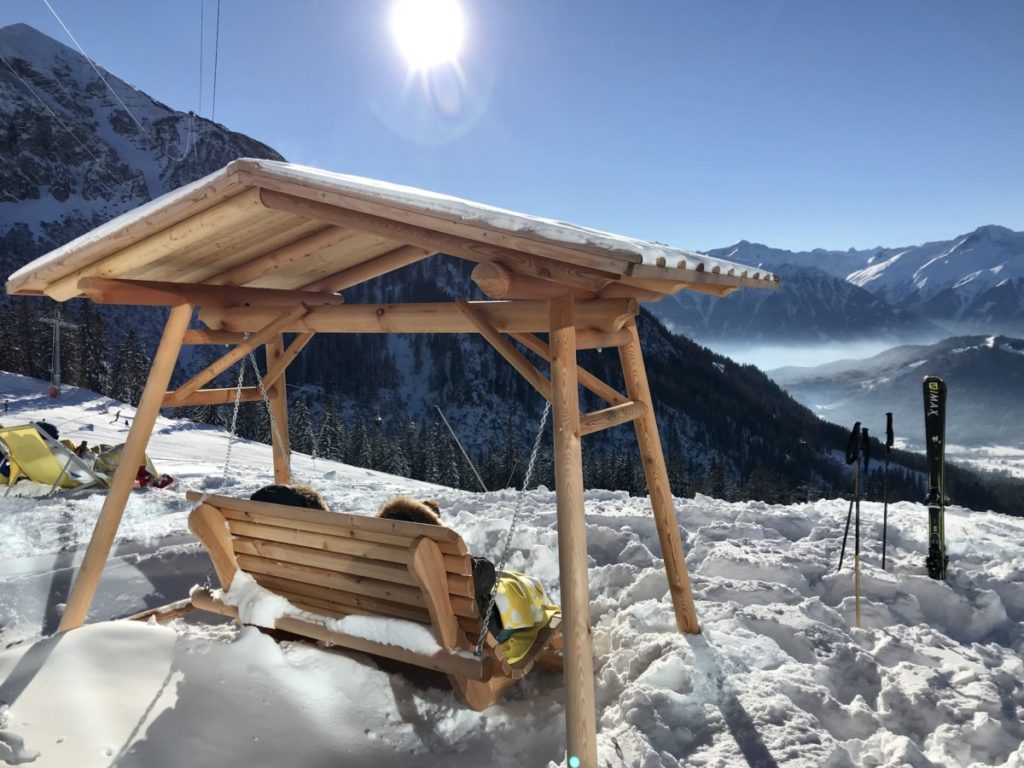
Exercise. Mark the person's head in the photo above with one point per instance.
(291, 495)
(411, 510)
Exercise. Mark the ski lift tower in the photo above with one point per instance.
(56, 322)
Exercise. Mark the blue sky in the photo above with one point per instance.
(796, 123)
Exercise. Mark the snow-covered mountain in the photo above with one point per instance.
(984, 376)
(809, 306)
(71, 156)
(972, 283)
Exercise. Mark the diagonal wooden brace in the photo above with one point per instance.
(178, 396)
(275, 369)
(506, 349)
(586, 378)
(611, 417)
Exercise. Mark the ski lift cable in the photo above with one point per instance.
(62, 124)
(124, 106)
(464, 454)
(216, 58)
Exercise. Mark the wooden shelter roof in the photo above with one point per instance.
(272, 225)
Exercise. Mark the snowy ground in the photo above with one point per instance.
(779, 677)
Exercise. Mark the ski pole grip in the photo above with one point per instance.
(888, 432)
(853, 444)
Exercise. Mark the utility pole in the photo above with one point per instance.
(56, 322)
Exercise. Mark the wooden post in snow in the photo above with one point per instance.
(580, 719)
(132, 457)
(653, 460)
(278, 396)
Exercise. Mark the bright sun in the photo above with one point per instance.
(428, 32)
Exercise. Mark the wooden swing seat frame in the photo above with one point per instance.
(331, 565)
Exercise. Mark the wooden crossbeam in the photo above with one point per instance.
(281, 363)
(586, 378)
(381, 265)
(499, 282)
(434, 241)
(611, 417)
(591, 339)
(212, 371)
(435, 317)
(506, 349)
(219, 396)
(201, 336)
(162, 294)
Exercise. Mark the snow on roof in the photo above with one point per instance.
(616, 253)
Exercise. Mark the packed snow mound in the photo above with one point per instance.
(779, 676)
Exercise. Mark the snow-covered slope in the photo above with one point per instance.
(779, 677)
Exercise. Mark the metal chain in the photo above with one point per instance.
(500, 565)
(231, 436)
(274, 429)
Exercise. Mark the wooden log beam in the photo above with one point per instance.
(277, 324)
(282, 360)
(179, 237)
(160, 294)
(568, 274)
(280, 439)
(499, 282)
(611, 417)
(506, 349)
(442, 317)
(587, 379)
(219, 396)
(580, 717)
(132, 457)
(591, 339)
(200, 336)
(653, 460)
(623, 290)
(381, 265)
(281, 257)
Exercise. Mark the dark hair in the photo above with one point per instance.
(291, 495)
(411, 510)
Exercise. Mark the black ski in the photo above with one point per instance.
(935, 449)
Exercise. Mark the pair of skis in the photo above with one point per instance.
(858, 448)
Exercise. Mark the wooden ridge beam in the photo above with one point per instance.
(381, 265)
(434, 241)
(276, 325)
(152, 293)
(506, 349)
(281, 362)
(219, 396)
(596, 421)
(499, 282)
(440, 317)
(586, 378)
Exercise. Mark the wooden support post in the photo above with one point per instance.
(507, 350)
(657, 484)
(132, 457)
(580, 719)
(277, 369)
(278, 396)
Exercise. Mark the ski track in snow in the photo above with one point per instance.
(779, 676)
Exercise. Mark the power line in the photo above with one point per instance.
(99, 74)
(202, 25)
(216, 57)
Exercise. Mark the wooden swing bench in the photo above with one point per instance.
(334, 565)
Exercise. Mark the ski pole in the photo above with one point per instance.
(865, 449)
(885, 483)
(852, 449)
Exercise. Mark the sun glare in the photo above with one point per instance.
(428, 32)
